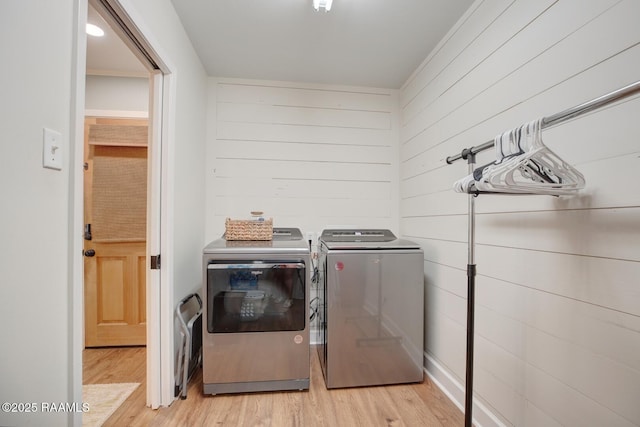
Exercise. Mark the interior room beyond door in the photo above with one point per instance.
(115, 207)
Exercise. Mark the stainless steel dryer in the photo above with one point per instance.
(256, 317)
(371, 291)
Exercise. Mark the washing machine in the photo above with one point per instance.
(256, 315)
(371, 308)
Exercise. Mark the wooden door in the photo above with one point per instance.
(115, 205)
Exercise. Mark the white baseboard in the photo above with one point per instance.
(454, 390)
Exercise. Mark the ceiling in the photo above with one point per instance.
(108, 55)
(376, 43)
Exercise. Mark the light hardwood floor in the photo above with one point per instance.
(399, 405)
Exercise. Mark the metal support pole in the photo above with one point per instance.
(471, 285)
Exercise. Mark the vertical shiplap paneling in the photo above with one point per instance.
(558, 324)
(309, 156)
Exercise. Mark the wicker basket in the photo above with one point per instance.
(240, 229)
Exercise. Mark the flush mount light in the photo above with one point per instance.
(94, 30)
(317, 4)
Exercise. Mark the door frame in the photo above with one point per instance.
(160, 195)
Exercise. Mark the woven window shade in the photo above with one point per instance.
(119, 206)
(118, 135)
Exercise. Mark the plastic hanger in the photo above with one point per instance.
(506, 145)
(524, 165)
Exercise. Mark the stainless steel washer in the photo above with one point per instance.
(256, 317)
(371, 291)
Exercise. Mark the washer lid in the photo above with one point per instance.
(282, 233)
(358, 235)
(364, 239)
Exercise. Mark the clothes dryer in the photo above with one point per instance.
(256, 315)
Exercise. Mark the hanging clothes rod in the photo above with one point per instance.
(562, 116)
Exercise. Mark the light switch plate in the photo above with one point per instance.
(51, 149)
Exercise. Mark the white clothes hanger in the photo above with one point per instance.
(506, 145)
(524, 165)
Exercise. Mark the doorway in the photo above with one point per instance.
(157, 286)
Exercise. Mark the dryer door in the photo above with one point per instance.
(260, 296)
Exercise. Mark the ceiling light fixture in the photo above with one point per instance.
(317, 4)
(94, 30)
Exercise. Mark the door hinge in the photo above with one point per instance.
(155, 262)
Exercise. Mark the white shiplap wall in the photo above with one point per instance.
(558, 286)
(309, 156)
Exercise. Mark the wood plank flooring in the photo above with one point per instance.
(399, 405)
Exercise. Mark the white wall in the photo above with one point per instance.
(309, 156)
(36, 311)
(34, 234)
(111, 93)
(558, 302)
